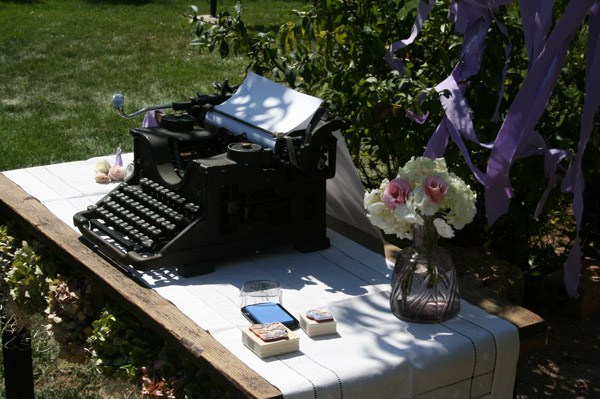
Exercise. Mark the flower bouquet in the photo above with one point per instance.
(423, 202)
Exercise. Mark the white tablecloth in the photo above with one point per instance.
(373, 355)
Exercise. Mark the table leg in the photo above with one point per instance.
(18, 364)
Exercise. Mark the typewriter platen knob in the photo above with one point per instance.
(248, 153)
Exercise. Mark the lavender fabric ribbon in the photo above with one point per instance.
(456, 124)
(119, 157)
(573, 182)
(517, 137)
(527, 107)
(520, 121)
(536, 16)
(472, 19)
(422, 13)
(150, 119)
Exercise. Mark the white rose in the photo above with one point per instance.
(102, 166)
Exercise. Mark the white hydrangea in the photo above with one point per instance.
(452, 212)
(380, 215)
(443, 228)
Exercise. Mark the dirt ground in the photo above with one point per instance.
(568, 367)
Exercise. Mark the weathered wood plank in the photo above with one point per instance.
(144, 303)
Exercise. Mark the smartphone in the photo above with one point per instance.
(269, 312)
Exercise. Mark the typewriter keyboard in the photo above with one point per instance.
(142, 218)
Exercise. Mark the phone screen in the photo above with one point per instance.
(269, 312)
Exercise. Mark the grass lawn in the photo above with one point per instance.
(60, 63)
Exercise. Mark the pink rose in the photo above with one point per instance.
(396, 193)
(435, 188)
(117, 173)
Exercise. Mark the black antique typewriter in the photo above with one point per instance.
(201, 190)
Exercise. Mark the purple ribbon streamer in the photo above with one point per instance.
(527, 108)
(473, 21)
(472, 50)
(536, 16)
(517, 138)
(552, 158)
(456, 108)
(439, 140)
(573, 181)
(423, 11)
(150, 119)
(456, 124)
(507, 51)
(119, 157)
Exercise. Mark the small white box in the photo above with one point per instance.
(274, 348)
(314, 328)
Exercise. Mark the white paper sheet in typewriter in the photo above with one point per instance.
(373, 354)
(260, 108)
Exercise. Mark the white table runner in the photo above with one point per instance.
(373, 355)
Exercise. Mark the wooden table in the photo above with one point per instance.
(167, 321)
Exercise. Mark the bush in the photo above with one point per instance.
(335, 50)
(26, 274)
(98, 336)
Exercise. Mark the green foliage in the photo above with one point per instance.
(70, 313)
(6, 248)
(57, 378)
(121, 344)
(86, 331)
(334, 50)
(26, 274)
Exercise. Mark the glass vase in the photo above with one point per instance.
(424, 282)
